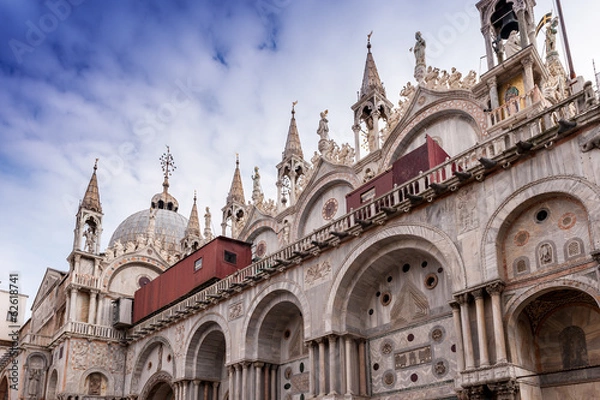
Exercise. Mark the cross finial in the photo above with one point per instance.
(167, 163)
(96, 164)
(294, 106)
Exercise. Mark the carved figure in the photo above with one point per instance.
(408, 90)
(323, 130)
(512, 45)
(551, 31)
(90, 239)
(545, 254)
(118, 248)
(443, 81)
(498, 46)
(419, 49)
(470, 80)
(454, 79)
(34, 379)
(431, 78)
(257, 193)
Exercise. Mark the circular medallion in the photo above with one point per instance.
(567, 221)
(389, 378)
(521, 238)
(437, 334)
(261, 249)
(143, 281)
(329, 209)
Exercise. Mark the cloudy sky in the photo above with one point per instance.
(120, 80)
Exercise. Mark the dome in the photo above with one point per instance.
(169, 227)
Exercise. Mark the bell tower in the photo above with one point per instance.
(507, 26)
(88, 228)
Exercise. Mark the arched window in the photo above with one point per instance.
(573, 347)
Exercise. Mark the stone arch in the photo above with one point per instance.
(4, 389)
(155, 388)
(258, 227)
(143, 355)
(204, 326)
(106, 375)
(35, 377)
(403, 135)
(528, 330)
(569, 186)
(52, 385)
(426, 239)
(283, 292)
(322, 185)
(125, 260)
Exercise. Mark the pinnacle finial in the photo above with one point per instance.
(168, 166)
(195, 196)
(294, 107)
(237, 159)
(96, 164)
(369, 41)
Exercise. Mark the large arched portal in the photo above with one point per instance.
(205, 361)
(275, 338)
(555, 333)
(160, 391)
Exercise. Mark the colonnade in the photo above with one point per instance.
(460, 312)
(195, 389)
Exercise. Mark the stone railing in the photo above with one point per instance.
(86, 281)
(36, 340)
(535, 133)
(515, 106)
(83, 328)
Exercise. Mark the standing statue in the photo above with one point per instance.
(512, 45)
(323, 130)
(90, 239)
(551, 31)
(257, 193)
(207, 223)
(419, 49)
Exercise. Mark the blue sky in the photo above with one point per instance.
(119, 80)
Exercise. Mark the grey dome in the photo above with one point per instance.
(169, 227)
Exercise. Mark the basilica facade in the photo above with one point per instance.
(451, 252)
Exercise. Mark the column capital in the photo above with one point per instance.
(462, 299)
(527, 62)
(492, 81)
(495, 288)
(258, 364)
(477, 293)
(455, 306)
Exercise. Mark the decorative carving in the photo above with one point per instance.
(440, 368)
(437, 334)
(317, 273)
(235, 311)
(466, 215)
(389, 378)
(410, 304)
(300, 383)
(593, 143)
(567, 221)
(257, 193)
(545, 254)
(410, 358)
(387, 347)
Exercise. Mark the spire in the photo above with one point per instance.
(193, 228)
(371, 79)
(91, 200)
(164, 200)
(292, 145)
(236, 192)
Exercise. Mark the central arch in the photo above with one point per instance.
(158, 387)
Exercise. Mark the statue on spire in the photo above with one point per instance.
(257, 193)
(419, 52)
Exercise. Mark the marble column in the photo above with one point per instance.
(258, 393)
(195, 389)
(73, 305)
(273, 391)
(322, 376)
(492, 84)
(238, 382)
(206, 387)
(460, 354)
(92, 309)
(484, 358)
(495, 290)
(334, 367)
(489, 50)
(176, 391)
(244, 386)
(312, 359)
(184, 385)
(357, 143)
(362, 364)
(463, 300)
(528, 81)
(215, 390)
(349, 369)
(231, 376)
